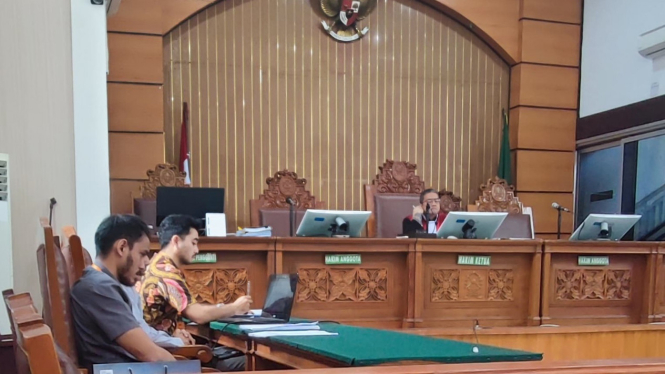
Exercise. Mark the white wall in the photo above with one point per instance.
(89, 63)
(613, 73)
(36, 125)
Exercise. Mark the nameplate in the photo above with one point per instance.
(593, 260)
(474, 260)
(343, 259)
(205, 258)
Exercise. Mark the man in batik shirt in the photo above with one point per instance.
(166, 297)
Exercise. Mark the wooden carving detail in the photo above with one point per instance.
(372, 284)
(398, 177)
(450, 202)
(312, 285)
(593, 284)
(230, 284)
(286, 184)
(200, 284)
(500, 284)
(338, 285)
(498, 196)
(568, 284)
(445, 285)
(472, 285)
(164, 175)
(343, 285)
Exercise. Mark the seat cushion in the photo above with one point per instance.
(516, 226)
(278, 219)
(391, 209)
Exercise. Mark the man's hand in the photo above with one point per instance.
(185, 336)
(242, 304)
(417, 213)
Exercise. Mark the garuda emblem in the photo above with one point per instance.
(346, 14)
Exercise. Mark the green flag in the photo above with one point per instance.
(505, 169)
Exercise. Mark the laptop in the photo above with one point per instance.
(278, 304)
(171, 367)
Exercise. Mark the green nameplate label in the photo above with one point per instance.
(205, 258)
(593, 260)
(343, 259)
(474, 260)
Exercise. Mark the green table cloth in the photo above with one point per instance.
(359, 346)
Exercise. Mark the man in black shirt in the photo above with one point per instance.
(106, 330)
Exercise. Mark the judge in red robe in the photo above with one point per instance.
(426, 217)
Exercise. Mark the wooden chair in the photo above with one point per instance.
(391, 196)
(76, 257)
(144, 204)
(55, 279)
(271, 208)
(22, 366)
(449, 201)
(498, 196)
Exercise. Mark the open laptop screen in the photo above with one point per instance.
(279, 299)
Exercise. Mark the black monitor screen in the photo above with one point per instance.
(195, 202)
(281, 292)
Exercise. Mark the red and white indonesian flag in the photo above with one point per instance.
(184, 145)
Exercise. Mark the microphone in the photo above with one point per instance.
(427, 211)
(476, 326)
(290, 201)
(50, 208)
(559, 207)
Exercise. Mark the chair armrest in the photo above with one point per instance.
(202, 353)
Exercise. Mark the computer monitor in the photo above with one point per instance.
(605, 226)
(192, 201)
(319, 222)
(484, 223)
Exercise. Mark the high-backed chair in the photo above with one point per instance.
(145, 204)
(76, 257)
(391, 197)
(271, 208)
(497, 196)
(20, 359)
(449, 201)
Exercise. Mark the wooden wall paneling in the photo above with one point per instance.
(135, 58)
(569, 11)
(136, 107)
(550, 43)
(567, 343)
(176, 11)
(505, 293)
(498, 18)
(581, 295)
(550, 236)
(658, 308)
(544, 216)
(545, 171)
(545, 129)
(247, 120)
(121, 195)
(544, 86)
(138, 16)
(373, 294)
(133, 154)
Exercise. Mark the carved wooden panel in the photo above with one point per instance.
(200, 283)
(230, 284)
(445, 285)
(342, 284)
(164, 175)
(398, 177)
(472, 285)
(593, 284)
(286, 184)
(218, 285)
(498, 196)
(450, 202)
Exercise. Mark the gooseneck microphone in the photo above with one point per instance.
(559, 207)
(290, 201)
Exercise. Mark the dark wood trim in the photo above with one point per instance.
(622, 118)
(550, 21)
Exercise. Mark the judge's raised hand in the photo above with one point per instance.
(417, 213)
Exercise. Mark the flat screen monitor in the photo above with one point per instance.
(192, 201)
(280, 296)
(614, 226)
(485, 223)
(318, 222)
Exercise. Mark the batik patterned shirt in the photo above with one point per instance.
(164, 294)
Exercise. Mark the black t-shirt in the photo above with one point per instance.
(101, 312)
